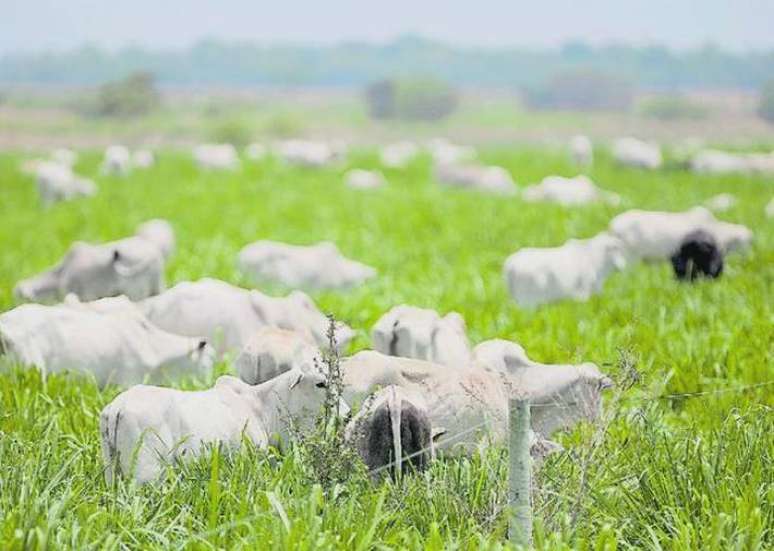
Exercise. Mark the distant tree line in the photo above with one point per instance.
(357, 64)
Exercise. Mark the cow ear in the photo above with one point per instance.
(437, 433)
(116, 255)
(296, 381)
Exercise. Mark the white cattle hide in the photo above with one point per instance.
(446, 153)
(63, 156)
(113, 342)
(569, 191)
(364, 179)
(422, 334)
(711, 161)
(271, 352)
(319, 266)
(582, 151)
(399, 154)
(143, 158)
(133, 267)
(57, 182)
(309, 153)
(148, 427)
(636, 153)
(160, 232)
(493, 179)
(117, 160)
(216, 156)
(229, 316)
(721, 202)
(576, 270)
(656, 235)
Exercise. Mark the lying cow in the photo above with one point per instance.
(57, 182)
(721, 202)
(216, 156)
(576, 270)
(399, 154)
(319, 266)
(133, 266)
(581, 151)
(656, 235)
(229, 316)
(117, 161)
(422, 334)
(569, 191)
(148, 427)
(493, 179)
(309, 153)
(271, 352)
(446, 153)
(364, 179)
(637, 154)
(698, 256)
(711, 161)
(113, 342)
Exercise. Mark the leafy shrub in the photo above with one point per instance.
(283, 125)
(766, 105)
(132, 96)
(413, 99)
(670, 108)
(231, 131)
(582, 90)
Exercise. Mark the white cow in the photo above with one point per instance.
(364, 179)
(576, 270)
(64, 156)
(399, 154)
(143, 158)
(216, 156)
(113, 342)
(419, 333)
(319, 266)
(148, 427)
(656, 235)
(569, 191)
(272, 351)
(636, 153)
(721, 202)
(446, 153)
(159, 232)
(133, 266)
(57, 182)
(493, 179)
(712, 161)
(117, 160)
(229, 316)
(309, 153)
(256, 151)
(581, 151)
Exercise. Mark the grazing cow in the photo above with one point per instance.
(399, 154)
(721, 202)
(656, 235)
(143, 158)
(112, 341)
(272, 352)
(117, 160)
(637, 154)
(711, 161)
(57, 182)
(364, 179)
(133, 266)
(216, 156)
(160, 232)
(698, 256)
(229, 316)
(471, 404)
(422, 334)
(493, 179)
(581, 151)
(309, 153)
(393, 433)
(256, 151)
(576, 270)
(446, 153)
(147, 427)
(569, 191)
(319, 266)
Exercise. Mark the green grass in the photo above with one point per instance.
(689, 473)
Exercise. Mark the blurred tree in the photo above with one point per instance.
(766, 103)
(582, 89)
(380, 96)
(411, 99)
(132, 96)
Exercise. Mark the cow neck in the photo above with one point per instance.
(268, 405)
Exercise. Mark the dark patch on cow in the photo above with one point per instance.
(698, 256)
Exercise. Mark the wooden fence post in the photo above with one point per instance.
(519, 473)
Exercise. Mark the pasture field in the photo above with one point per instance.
(667, 473)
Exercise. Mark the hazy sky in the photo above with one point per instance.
(33, 25)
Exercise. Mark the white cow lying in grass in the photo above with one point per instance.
(110, 340)
(309, 153)
(422, 334)
(216, 156)
(319, 266)
(230, 316)
(720, 202)
(712, 161)
(133, 266)
(147, 427)
(446, 153)
(272, 351)
(636, 153)
(117, 161)
(569, 191)
(493, 179)
(656, 235)
(581, 151)
(399, 154)
(576, 270)
(57, 182)
(364, 179)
